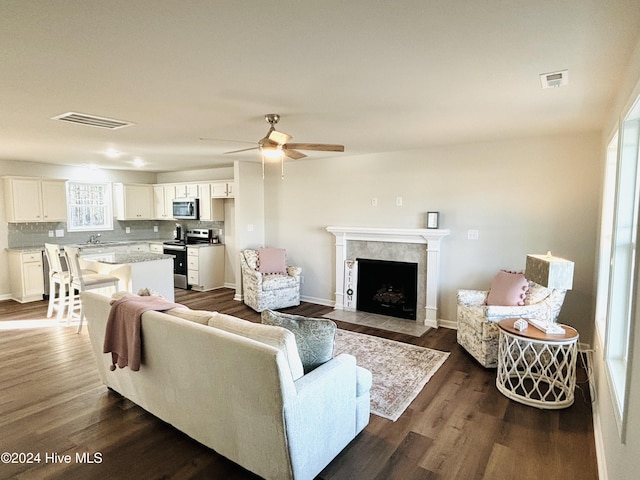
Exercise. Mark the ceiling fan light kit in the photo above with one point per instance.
(274, 145)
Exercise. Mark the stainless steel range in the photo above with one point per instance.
(178, 248)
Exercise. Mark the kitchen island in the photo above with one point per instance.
(136, 270)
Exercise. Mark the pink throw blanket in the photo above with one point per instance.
(122, 334)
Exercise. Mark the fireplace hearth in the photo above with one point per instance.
(387, 288)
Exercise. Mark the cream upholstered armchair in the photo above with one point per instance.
(267, 281)
(478, 331)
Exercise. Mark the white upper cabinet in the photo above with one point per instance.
(35, 200)
(223, 189)
(163, 196)
(133, 201)
(186, 190)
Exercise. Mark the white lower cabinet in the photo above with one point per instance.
(205, 267)
(26, 275)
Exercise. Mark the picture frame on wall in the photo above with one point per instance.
(433, 219)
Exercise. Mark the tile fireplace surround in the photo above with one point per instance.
(429, 237)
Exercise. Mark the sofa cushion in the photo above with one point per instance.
(276, 282)
(314, 336)
(272, 260)
(277, 337)
(198, 316)
(508, 289)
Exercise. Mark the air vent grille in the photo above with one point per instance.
(554, 79)
(92, 120)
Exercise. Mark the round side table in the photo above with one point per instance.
(536, 368)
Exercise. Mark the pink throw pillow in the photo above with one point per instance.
(272, 260)
(508, 289)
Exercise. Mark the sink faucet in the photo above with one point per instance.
(94, 238)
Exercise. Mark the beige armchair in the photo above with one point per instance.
(478, 331)
(262, 291)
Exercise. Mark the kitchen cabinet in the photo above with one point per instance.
(186, 190)
(35, 200)
(205, 267)
(211, 209)
(133, 201)
(222, 189)
(26, 275)
(163, 196)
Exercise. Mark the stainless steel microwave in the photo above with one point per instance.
(186, 208)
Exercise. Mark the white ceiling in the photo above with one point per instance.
(373, 76)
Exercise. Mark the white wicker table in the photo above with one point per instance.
(536, 368)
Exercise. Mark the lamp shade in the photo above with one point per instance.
(550, 271)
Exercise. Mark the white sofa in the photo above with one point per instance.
(244, 398)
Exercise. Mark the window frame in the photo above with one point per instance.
(622, 283)
(105, 202)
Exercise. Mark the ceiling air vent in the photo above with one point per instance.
(555, 79)
(92, 120)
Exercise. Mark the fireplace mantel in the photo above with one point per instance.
(430, 237)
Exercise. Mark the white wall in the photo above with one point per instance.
(526, 195)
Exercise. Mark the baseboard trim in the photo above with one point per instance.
(318, 301)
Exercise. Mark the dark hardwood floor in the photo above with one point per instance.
(459, 427)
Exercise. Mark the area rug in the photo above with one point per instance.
(399, 370)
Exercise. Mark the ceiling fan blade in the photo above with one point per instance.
(242, 150)
(293, 154)
(279, 137)
(324, 147)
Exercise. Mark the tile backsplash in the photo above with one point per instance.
(25, 235)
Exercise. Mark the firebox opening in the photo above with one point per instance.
(387, 288)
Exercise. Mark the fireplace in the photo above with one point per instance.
(427, 304)
(387, 287)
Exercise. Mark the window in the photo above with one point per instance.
(620, 211)
(89, 207)
(606, 235)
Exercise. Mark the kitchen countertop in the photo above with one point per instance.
(106, 244)
(120, 258)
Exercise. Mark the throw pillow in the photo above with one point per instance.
(314, 336)
(272, 260)
(508, 289)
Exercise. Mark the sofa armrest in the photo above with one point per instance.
(320, 418)
(472, 297)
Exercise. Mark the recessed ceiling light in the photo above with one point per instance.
(112, 153)
(138, 162)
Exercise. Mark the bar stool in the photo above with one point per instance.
(83, 280)
(59, 280)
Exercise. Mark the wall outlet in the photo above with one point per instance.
(60, 233)
(374, 201)
(51, 233)
(127, 230)
(473, 234)
(398, 201)
(155, 228)
(250, 227)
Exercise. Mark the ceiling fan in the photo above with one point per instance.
(276, 144)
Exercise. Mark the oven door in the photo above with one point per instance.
(179, 253)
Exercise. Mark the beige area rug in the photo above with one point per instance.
(399, 370)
